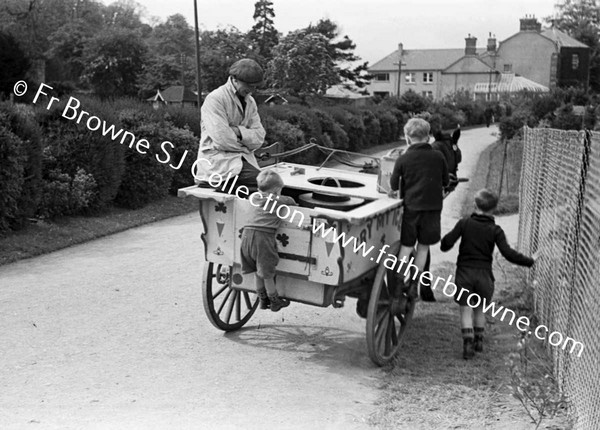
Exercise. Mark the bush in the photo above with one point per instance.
(292, 137)
(144, 179)
(70, 146)
(332, 131)
(66, 195)
(20, 119)
(389, 132)
(11, 174)
(186, 117)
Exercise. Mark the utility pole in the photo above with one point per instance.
(399, 67)
(198, 84)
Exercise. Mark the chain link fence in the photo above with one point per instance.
(559, 200)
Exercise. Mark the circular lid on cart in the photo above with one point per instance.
(329, 201)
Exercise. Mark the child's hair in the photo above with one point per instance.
(417, 128)
(268, 180)
(486, 200)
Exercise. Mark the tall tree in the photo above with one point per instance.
(14, 64)
(341, 50)
(219, 49)
(263, 34)
(302, 64)
(581, 20)
(114, 60)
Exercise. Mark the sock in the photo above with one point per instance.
(479, 331)
(467, 333)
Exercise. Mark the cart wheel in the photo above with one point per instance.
(387, 317)
(227, 309)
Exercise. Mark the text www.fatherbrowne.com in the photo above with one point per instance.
(449, 289)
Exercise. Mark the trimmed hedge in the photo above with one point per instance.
(12, 160)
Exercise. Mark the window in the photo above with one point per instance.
(575, 62)
(381, 94)
(428, 77)
(428, 94)
(382, 77)
(409, 78)
(507, 68)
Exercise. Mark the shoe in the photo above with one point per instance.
(468, 351)
(263, 299)
(278, 303)
(478, 345)
(413, 289)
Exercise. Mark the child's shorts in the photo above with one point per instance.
(478, 281)
(420, 226)
(259, 252)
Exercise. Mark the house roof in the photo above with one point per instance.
(468, 64)
(420, 59)
(340, 92)
(510, 83)
(178, 94)
(563, 40)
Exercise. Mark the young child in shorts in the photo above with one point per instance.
(478, 235)
(259, 247)
(420, 174)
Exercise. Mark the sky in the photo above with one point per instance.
(375, 26)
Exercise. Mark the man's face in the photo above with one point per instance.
(244, 88)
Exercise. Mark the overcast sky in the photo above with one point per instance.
(376, 26)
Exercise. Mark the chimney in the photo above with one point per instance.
(530, 23)
(471, 45)
(491, 44)
(400, 50)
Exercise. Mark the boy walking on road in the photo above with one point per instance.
(479, 234)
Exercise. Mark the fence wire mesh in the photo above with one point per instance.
(559, 212)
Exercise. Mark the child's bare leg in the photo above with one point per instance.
(478, 317)
(421, 257)
(261, 292)
(404, 255)
(466, 318)
(269, 284)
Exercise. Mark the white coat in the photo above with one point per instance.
(220, 150)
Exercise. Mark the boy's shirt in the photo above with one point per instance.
(263, 216)
(479, 234)
(424, 175)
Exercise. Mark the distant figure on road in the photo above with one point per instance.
(489, 115)
(231, 128)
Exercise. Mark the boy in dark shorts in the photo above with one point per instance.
(259, 247)
(421, 174)
(479, 234)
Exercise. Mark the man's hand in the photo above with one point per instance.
(392, 194)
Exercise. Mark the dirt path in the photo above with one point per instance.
(112, 335)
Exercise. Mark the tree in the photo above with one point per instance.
(581, 20)
(302, 64)
(263, 35)
(14, 64)
(114, 59)
(341, 52)
(218, 51)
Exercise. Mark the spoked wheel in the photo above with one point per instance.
(227, 309)
(387, 317)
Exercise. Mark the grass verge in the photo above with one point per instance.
(47, 236)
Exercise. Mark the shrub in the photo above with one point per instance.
(11, 174)
(372, 128)
(292, 137)
(333, 134)
(63, 194)
(186, 117)
(70, 146)
(20, 119)
(144, 179)
(390, 131)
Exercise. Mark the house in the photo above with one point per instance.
(532, 59)
(174, 95)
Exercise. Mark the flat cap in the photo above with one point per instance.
(247, 70)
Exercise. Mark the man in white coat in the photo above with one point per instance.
(231, 130)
